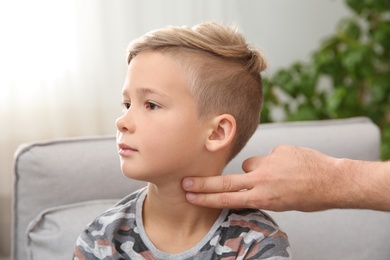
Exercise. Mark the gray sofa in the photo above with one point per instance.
(60, 185)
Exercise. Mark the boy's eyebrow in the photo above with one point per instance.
(150, 91)
(144, 91)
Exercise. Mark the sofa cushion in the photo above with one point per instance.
(337, 234)
(53, 233)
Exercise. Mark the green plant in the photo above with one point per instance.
(348, 75)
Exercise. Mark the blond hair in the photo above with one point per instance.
(223, 69)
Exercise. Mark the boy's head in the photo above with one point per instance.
(223, 71)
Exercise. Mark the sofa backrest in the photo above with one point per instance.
(60, 185)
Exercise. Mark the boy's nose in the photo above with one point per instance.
(125, 123)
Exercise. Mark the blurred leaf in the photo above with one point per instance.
(355, 59)
(304, 112)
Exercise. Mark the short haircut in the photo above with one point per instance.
(223, 71)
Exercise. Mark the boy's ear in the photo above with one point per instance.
(222, 132)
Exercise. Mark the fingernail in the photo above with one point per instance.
(191, 196)
(187, 183)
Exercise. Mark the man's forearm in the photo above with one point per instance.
(366, 185)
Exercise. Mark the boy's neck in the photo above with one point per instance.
(167, 216)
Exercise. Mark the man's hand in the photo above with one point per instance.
(290, 178)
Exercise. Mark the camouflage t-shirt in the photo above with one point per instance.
(236, 234)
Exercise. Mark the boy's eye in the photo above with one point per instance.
(126, 105)
(151, 106)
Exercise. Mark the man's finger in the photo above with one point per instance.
(215, 184)
(251, 164)
(219, 200)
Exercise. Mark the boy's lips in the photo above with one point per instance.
(125, 150)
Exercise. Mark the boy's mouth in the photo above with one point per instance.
(125, 150)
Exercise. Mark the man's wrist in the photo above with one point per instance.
(349, 189)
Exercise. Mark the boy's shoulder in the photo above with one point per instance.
(123, 210)
(255, 231)
(129, 199)
(250, 214)
(254, 220)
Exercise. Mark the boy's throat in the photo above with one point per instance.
(176, 228)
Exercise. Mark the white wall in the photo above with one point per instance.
(63, 65)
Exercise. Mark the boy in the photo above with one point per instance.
(192, 99)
